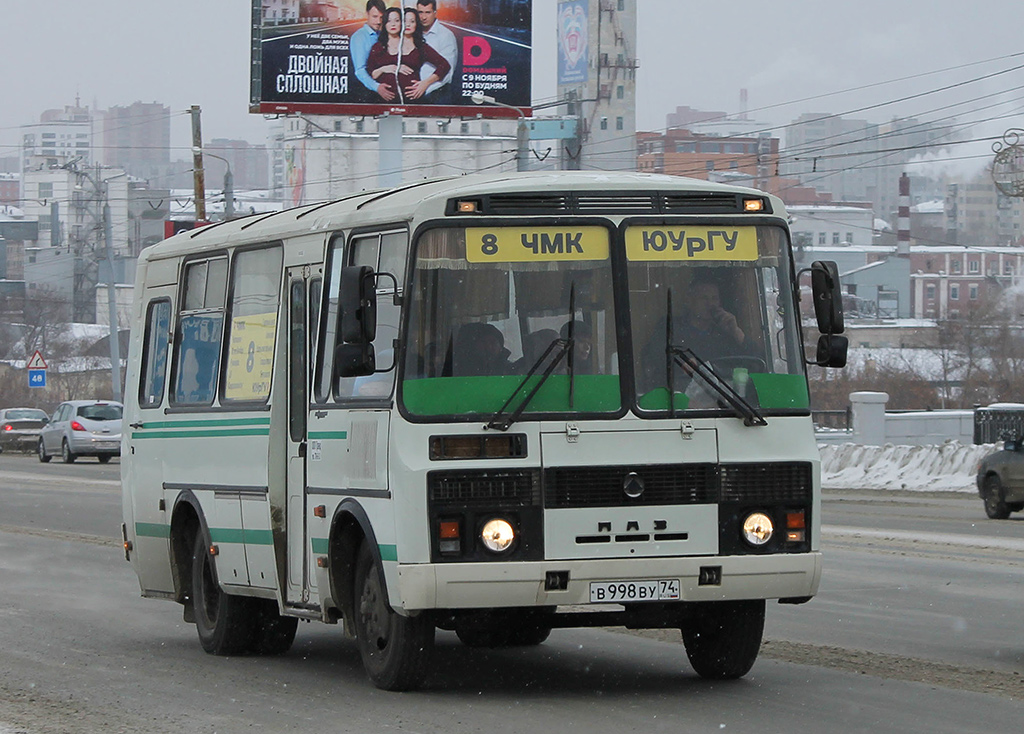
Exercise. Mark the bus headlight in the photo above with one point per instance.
(497, 535)
(758, 528)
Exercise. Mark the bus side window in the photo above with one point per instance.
(154, 356)
(200, 324)
(385, 252)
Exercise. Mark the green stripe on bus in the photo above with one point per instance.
(207, 423)
(328, 434)
(233, 535)
(387, 552)
(152, 530)
(202, 434)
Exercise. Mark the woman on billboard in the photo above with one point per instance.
(396, 58)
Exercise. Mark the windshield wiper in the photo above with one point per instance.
(501, 421)
(685, 357)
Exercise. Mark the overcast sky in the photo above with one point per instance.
(184, 52)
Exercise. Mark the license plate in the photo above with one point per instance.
(623, 591)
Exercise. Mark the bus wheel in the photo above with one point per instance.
(395, 649)
(723, 640)
(995, 507)
(224, 621)
(273, 634)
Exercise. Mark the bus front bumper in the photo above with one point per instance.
(707, 578)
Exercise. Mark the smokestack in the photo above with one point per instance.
(903, 219)
(743, 104)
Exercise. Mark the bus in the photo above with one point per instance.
(481, 404)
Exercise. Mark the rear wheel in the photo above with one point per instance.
(395, 649)
(225, 622)
(66, 454)
(41, 450)
(995, 507)
(723, 640)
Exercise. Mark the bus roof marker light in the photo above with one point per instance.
(468, 207)
(753, 205)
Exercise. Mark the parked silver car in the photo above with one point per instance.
(82, 428)
(19, 428)
(1001, 480)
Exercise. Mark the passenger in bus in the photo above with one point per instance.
(583, 352)
(479, 349)
(396, 58)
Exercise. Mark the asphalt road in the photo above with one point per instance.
(908, 634)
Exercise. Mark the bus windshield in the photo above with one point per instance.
(490, 305)
(713, 299)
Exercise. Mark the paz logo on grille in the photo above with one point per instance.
(633, 485)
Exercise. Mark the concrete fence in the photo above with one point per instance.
(873, 426)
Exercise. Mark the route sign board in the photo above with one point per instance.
(37, 378)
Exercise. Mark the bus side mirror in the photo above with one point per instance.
(831, 351)
(354, 360)
(828, 296)
(358, 304)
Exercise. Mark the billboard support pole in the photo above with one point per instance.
(389, 138)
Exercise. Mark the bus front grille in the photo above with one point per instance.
(607, 486)
(484, 487)
(677, 484)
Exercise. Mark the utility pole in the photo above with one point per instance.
(115, 346)
(198, 177)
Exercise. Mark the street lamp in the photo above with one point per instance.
(522, 131)
(229, 182)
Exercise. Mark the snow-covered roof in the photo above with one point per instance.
(937, 206)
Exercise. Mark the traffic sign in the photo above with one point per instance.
(37, 362)
(37, 378)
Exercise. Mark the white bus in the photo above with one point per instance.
(496, 405)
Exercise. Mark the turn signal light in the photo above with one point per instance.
(796, 524)
(449, 535)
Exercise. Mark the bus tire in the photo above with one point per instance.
(995, 507)
(225, 622)
(273, 633)
(529, 635)
(723, 639)
(396, 650)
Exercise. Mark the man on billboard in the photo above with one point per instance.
(440, 38)
(361, 43)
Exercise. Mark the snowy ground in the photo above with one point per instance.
(949, 467)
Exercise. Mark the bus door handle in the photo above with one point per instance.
(136, 425)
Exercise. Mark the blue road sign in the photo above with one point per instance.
(37, 378)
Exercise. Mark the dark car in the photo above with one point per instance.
(1001, 480)
(19, 428)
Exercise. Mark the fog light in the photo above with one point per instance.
(497, 535)
(758, 528)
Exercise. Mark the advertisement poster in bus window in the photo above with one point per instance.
(573, 52)
(325, 57)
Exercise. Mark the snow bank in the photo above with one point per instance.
(948, 467)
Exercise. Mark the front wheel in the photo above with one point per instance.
(225, 622)
(43, 456)
(395, 649)
(995, 507)
(723, 640)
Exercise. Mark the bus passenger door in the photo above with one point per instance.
(303, 293)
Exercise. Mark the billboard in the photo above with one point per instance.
(371, 57)
(573, 51)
